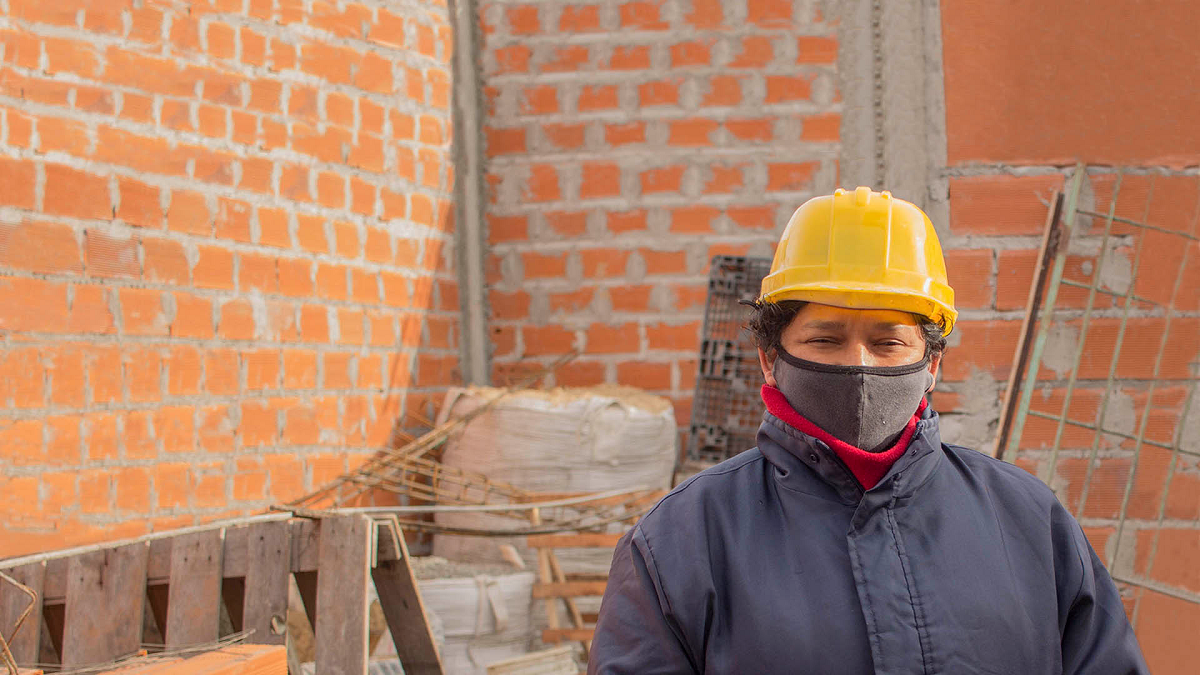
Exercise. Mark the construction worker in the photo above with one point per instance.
(852, 540)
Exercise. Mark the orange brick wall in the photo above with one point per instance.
(224, 234)
(1017, 119)
(627, 143)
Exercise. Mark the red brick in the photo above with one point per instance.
(512, 59)
(221, 372)
(594, 97)
(659, 92)
(600, 179)
(786, 88)
(694, 53)
(627, 221)
(603, 262)
(142, 311)
(624, 134)
(32, 305)
(606, 339)
(18, 177)
(90, 310)
(236, 320)
(752, 217)
(693, 219)
(507, 228)
(757, 51)
(547, 340)
(193, 316)
(74, 193)
(42, 247)
(543, 183)
(189, 212)
(61, 135)
(165, 261)
(631, 298)
(825, 127)
(653, 376)
(1000, 204)
(970, 274)
(111, 256)
(816, 49)
(663, 179)
(630, 58)
(143, 370)
(567, 58)
(567, 223)
(985, 345)
(641, 15)
(790, 177)
(673, 337)
(65, 372)
(691, 132)
(214, 267)
(565, 136)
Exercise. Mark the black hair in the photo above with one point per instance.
(769, 319)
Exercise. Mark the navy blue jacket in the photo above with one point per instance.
(777, 561)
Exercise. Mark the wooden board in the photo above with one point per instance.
(405, 613)
(106, 591)
(555, 635)
(13, 602)
(342, 624)
(569, 589)
(268, 560)
(584, 540)
(305, 540)
(194, 596)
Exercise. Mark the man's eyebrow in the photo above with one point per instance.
(826, 324)
(890, 325)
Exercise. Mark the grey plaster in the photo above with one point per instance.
(1059, 353)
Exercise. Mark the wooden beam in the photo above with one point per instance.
(268, 561)
(583, 540)
(343, 624)
(193, 604)
(105, 597)
(13, 603)
(404, 611)
(568, 589)
(556, 635)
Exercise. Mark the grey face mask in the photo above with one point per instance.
(865, 406)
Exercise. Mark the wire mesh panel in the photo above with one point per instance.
(1108, 412)
(727, 408)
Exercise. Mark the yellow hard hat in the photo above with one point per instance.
(864, 250)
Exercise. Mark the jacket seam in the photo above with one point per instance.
(868, 611)
(657, 579)
(913, 600)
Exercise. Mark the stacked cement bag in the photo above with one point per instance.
(590, 439)
(480, 614)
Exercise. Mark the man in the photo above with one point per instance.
(851, 540)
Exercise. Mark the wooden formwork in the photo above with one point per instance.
(90, 600)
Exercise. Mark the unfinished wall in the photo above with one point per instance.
(1030, 88)
(628, 143)
(224, 234)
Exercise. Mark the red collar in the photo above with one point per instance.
(867, 467)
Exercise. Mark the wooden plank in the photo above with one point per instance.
(405, 614)
(342, 625)
(556, 635)
(193, 605)
(268, 564)
(568, 589)
(233, 558)
(55, 617)
(56, 581)
(14, 602)
(583, 540)
(106, 591)
(545, 575)
(569, 602)
(306, 541)
(158, 568)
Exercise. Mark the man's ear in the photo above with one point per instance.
(767, 363)
(935, 362)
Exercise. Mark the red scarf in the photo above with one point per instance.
(867, 467)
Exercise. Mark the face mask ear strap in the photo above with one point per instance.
(930, 380)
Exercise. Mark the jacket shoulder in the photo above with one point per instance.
(715, 485)
(1007, 478)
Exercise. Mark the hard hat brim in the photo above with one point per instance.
(859, 295)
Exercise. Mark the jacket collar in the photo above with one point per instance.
(799, 457)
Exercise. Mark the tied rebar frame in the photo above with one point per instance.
(1133, 301)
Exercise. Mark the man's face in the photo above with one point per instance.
(851, 337)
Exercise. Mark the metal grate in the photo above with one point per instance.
(727, 408)
(1107, 413)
